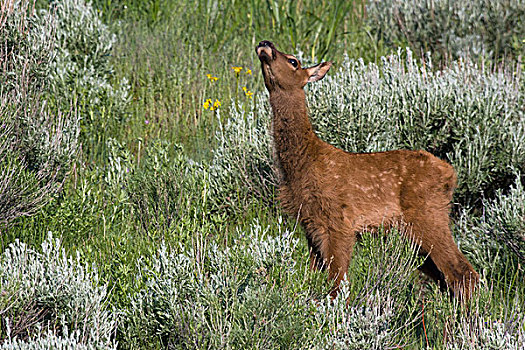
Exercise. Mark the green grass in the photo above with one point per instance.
(167, 60)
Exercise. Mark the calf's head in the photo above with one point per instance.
(283, 72)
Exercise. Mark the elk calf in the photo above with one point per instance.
(338, 194)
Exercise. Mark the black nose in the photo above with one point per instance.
(265, 43)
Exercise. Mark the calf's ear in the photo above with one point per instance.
(317, 72)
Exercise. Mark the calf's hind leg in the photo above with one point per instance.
(433, 233)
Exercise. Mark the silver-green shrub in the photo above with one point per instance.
(56, 72)
(45, 135)
(58, 57)
(504, 218)
(479, 246)
(452, 28)
(367, 326)
(242, 168)
(52, 342)
(38, 142)
(33, 158)
(245, 295)
(502, 224)
(82, 70)
(49, 290)
(476, 333)
(498, 327)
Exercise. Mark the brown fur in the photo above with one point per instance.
(338, 194)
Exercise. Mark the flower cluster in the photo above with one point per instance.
(209, 104)
(212, 105)
(247, 92)
(212, 78)
(238, 70)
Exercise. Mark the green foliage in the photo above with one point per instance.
(50, 290)
(241, 170)
(38, 142)
(167, 61)
(324, 26)
(167, 191)
(249, 295)
(504, 218)
(52, 342)
(493, 29)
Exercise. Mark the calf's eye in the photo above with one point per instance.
(293, 62)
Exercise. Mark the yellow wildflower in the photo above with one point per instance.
(207, 104)
(237, 69)
(216, 105)
(212, 78)
(249, 71)
(247, 92)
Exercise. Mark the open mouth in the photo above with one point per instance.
(265, 51)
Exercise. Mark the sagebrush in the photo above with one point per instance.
(49, 290)
(484, 29)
